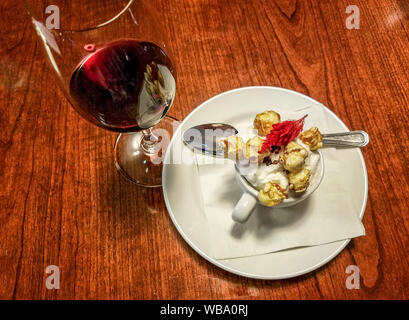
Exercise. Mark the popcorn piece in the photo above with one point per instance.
(264, 121)
(299, 181)
(312, 138)
(253, 146)
(234, 147)
(272, 194)
(294, 157)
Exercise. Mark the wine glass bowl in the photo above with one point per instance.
(127, 85)
(113, 65)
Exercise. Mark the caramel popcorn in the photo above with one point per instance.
(264, 121)
(253, 146)
(234, 147)
(299, 181)
(294, 156)
(312, 138)
(272, 194)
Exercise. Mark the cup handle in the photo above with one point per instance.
(244, 208)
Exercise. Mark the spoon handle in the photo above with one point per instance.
(347, 139)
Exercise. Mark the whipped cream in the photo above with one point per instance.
(268, 173)
(276, 173)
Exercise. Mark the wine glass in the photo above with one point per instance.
(113, 65)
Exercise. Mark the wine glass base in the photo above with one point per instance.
(139, 165)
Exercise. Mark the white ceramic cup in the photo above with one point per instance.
(248, 201)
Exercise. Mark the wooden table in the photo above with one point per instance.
(63, 203)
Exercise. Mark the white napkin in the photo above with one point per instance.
(326, 216)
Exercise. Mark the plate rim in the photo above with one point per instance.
(217, 262)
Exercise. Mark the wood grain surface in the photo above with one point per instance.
(63, 203)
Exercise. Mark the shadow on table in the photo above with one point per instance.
(130, 208)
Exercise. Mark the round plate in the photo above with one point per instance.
(183, 197)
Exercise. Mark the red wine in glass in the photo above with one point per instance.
(114, 69)
(126, 85)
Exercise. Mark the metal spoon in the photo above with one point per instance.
(205, 138)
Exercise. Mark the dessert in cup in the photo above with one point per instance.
(279, 167)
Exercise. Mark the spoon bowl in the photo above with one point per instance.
(205, 138)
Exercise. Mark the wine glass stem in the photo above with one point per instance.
(149, 142)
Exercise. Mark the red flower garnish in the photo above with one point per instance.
(283, 133)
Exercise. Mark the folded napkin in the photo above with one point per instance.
(328, 215)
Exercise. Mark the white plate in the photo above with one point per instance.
(182, 195)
